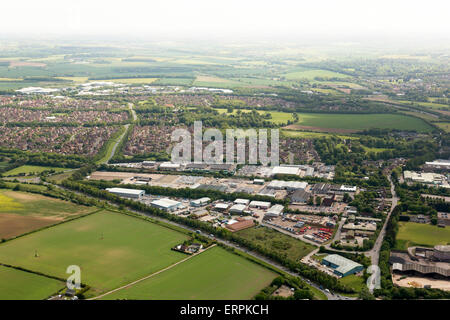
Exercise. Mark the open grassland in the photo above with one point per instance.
(277, 242)
(312, 74)
(133, 80)
(357, 122)
(20, 285)
(312, 135)
(26, 169)
(212, 275)
(411, 234)
(22, 212)
(354, 282)
(111, 249)
(443, 125)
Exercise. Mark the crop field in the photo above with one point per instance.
(20, 285)
(411, 233)
(443, 125)
(357, 122)
(214, 274)
(111, 249)
(312, 74)
(21, 212)
(277, 242)
(26, 169)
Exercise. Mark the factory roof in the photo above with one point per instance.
(124, 190)
(166, 203)
(344, 265)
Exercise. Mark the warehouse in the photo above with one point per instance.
(285, 170)
(241, 201)
(237, 209)
(341, 266)
(169, 166)
(166, 204)
(287, 185)
(200, 202)
(127, 193)
(275, 211)
(300, 196)
(221, 206)
(260, 204)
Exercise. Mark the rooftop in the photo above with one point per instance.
(344, 264)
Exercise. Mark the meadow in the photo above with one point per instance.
(411, 234)
(357, 122)
(111, 249)
(22, 212)
(278, 242)
(20, 285)
(212, 275)
(312, 74)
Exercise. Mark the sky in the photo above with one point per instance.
(227, 18)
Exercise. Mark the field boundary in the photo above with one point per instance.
(150, 275)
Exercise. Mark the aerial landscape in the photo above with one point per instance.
(353, 203)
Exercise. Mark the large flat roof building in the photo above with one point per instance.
(342, 266)
(127, 193)
(166, 204)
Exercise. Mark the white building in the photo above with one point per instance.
(166, 204)
(285, 170)
(127, 193)
(242, 201)
(169, 166)
(237, 208)
(260, 204)
(275, 211)
(200, 202)
(288, 185)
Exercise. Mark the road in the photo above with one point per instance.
(374, 254)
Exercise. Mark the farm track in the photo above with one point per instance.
(150, 275)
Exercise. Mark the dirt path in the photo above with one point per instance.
(151, 275)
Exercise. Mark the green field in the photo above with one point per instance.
(354, 282)
(21, 285)
(277, 242)
(26, 169)
(212, 275)
(411, 234)
(35, 204)
(111, 249)
(362, 121)
(312, 74)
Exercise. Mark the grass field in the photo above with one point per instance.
(111, 249)
(354, 282)
(277, 242)
(443, 125)
(312, 74)
(26, 169)
(359, 122)
(212, 275)
(21, 212)
(411, 233)
(21, 285)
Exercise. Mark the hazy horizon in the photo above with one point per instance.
(207, 20)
